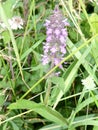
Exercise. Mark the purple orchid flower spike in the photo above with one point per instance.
(56, 34)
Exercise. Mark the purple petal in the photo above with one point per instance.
(47, 23)
(65, 22)
(62, 39)
(57, 32)
(49, 31)
(46, 48)
(56, 61)
(49, 38)
(53, 49)
(64, 32)
(63, 50)
(45, 60)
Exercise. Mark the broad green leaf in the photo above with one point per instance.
(54, 127)
(95, 128)
(71, 75)
(6, 37)
(59, 81)
(7, 6)
(85, 63)
(41, 109)
(94, 21)
(95, 50)
(32, 48)
(1, 99)
(15, 127)
(85, 122)
(85, 103)
(5, 126)
(54, 93)
(51, 127)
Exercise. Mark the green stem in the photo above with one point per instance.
(47, 93)
(93, 96)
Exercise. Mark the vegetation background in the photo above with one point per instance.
(26, 101)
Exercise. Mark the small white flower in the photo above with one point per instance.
(88, 83)
(16, 23)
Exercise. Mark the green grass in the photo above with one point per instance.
(26, 101)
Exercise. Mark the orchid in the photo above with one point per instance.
(56, 34)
